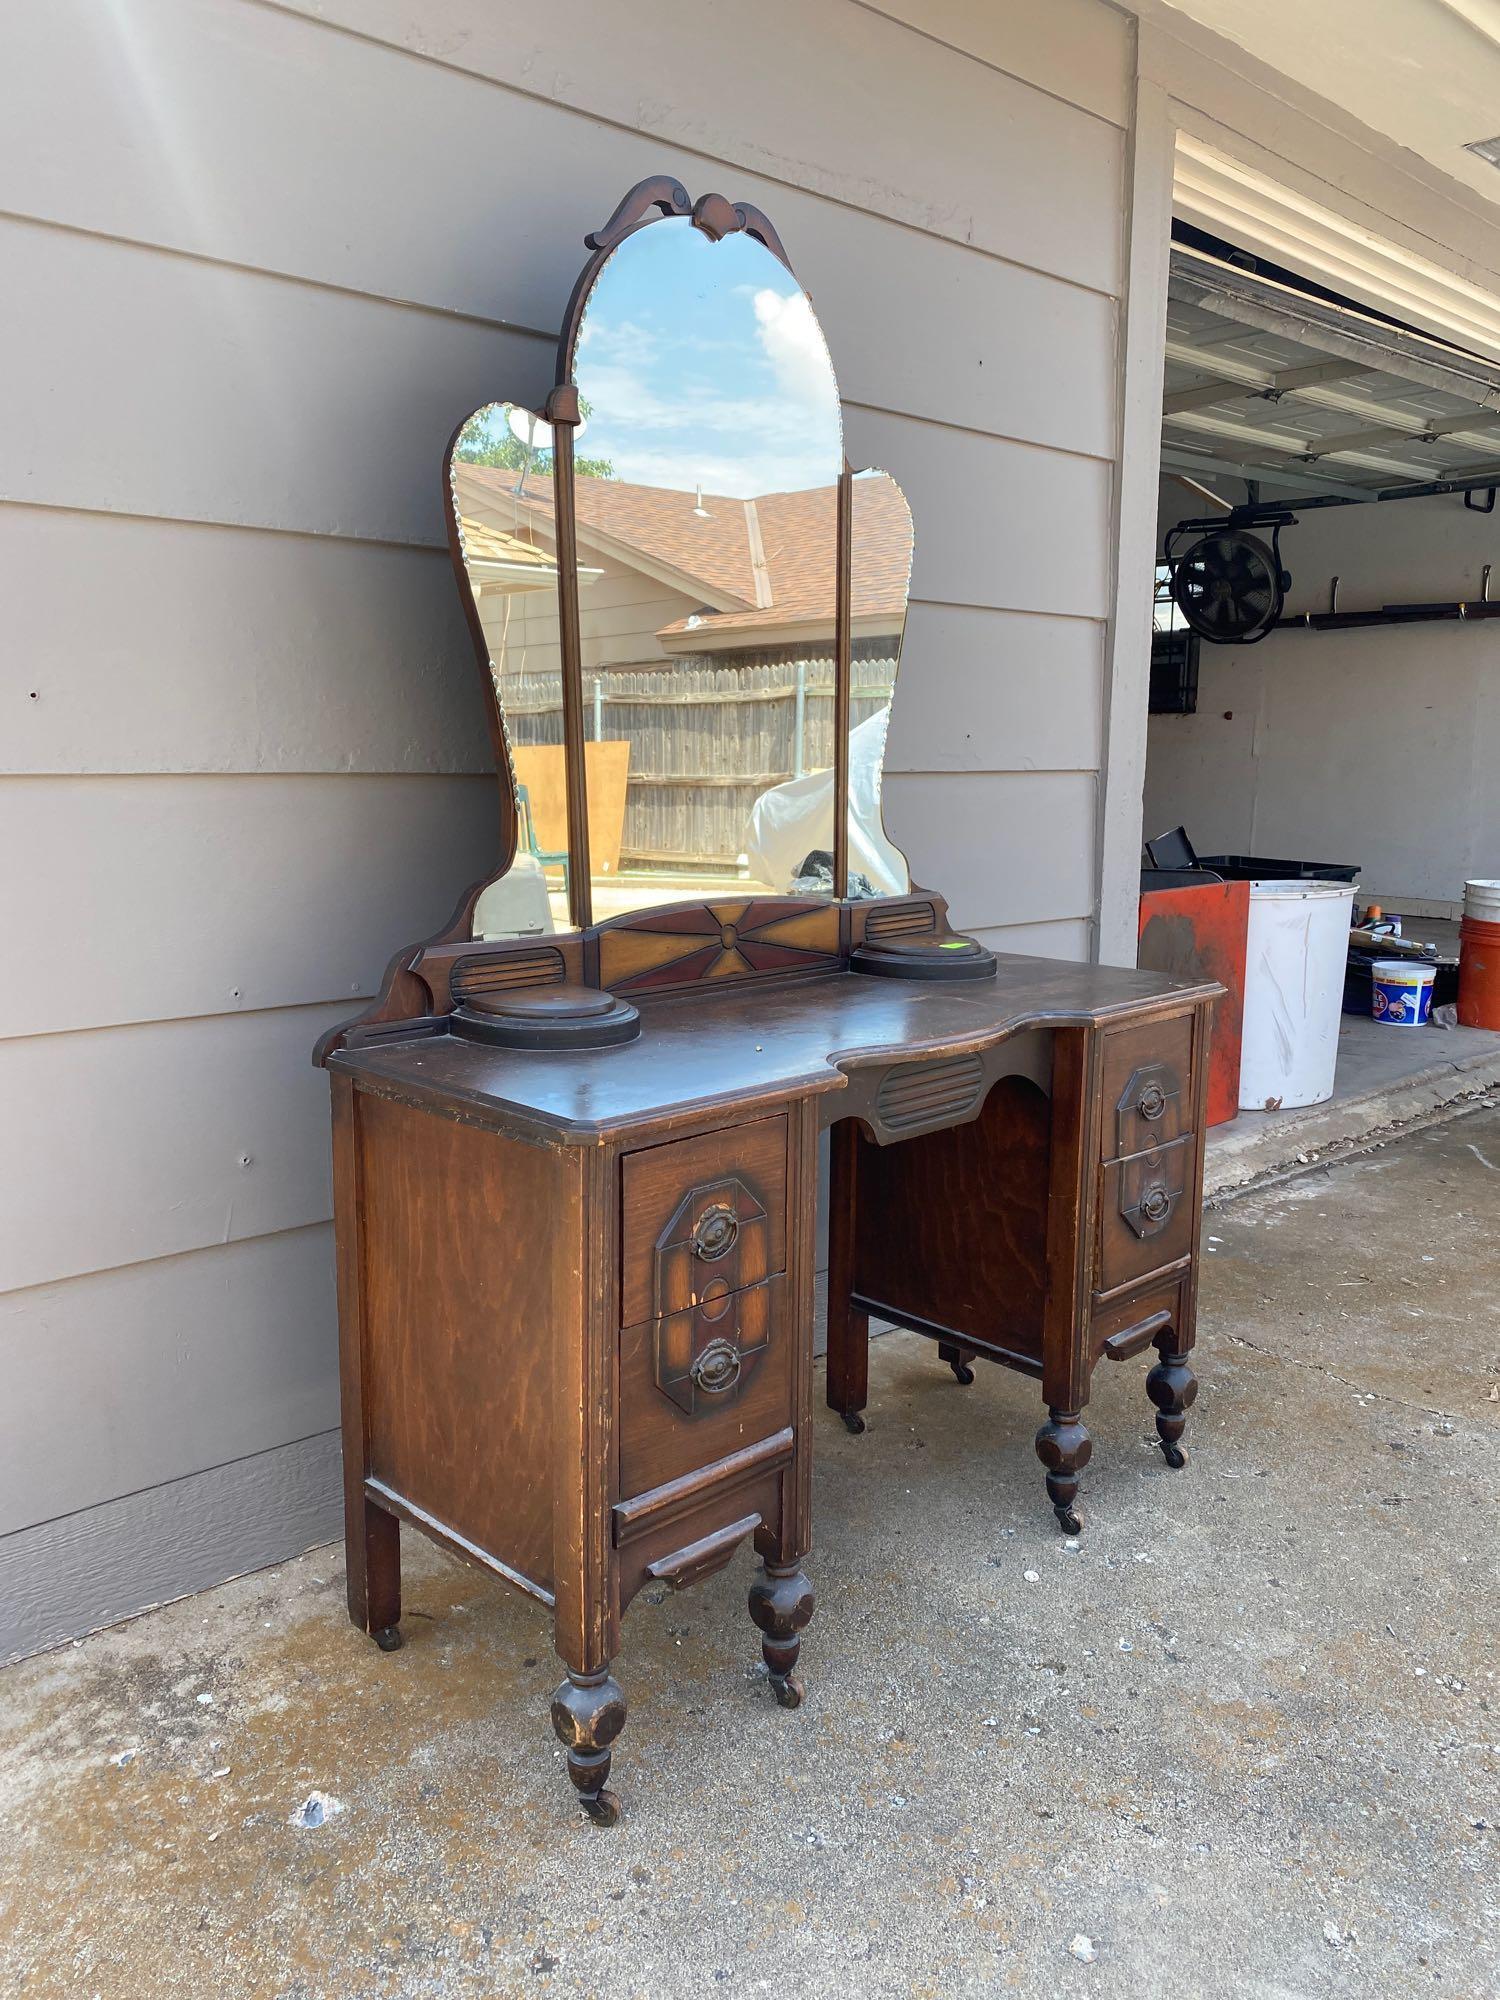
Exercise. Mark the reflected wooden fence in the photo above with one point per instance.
(705, 741)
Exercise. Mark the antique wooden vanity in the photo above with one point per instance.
(576, 1138)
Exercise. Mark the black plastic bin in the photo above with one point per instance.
(1263, 868)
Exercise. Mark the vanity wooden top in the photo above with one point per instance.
(749, 1042)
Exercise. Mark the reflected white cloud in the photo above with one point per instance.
(693, 376)
(793, 343)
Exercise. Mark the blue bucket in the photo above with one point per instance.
(1401, 994)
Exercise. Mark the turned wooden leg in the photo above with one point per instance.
(781, 1602)
(1173, 1387)
(958, 1359)
(1065, 1448)
(588, 1713)
(372, 1559)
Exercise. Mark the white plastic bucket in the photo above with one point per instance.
(1295, 955)
(1482, 900)
(1401, 992)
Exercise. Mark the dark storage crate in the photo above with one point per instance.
(1263, 868)
(1174, 673)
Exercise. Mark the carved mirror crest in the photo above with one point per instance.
(688, 610)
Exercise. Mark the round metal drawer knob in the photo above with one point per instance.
(1156, 1204)
(715, 1231)
(717, 1367)
(1152, 1101)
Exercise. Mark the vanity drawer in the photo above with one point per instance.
(682, 1531)
(1130, 1325)
(1147, 1090)
(702, 1217)
(1146, 1213)
(699, 1385)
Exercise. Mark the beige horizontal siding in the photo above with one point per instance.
(836, 100)
(84, 1570)
(1033, 325)
(1065, 937)
(124, 1144)
(273, 254)
(1075, 49)
(1002, 847)
(217, 394)
(183, 896)
(154, 646)
(1006, 525)
(164, 1369)
(984, 690)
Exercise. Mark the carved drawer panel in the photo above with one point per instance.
(1148, 1073)
(698, 1385)
(702, 1217)
(1146, 1218)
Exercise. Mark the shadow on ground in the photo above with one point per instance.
(1244, 1739)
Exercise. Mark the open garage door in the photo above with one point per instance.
(1272, 383)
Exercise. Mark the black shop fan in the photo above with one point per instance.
(1228, 584)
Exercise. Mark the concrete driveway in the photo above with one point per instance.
(1244, 1740)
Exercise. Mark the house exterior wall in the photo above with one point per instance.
(268, 256)
(1379, 746)
(257, 269)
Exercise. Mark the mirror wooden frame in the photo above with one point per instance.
(661, 198)
(629, 954)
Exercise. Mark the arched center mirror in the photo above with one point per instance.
(656, 588)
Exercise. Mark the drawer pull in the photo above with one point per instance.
(1156, 1204)
(707, 1356)
(717, 1368)
(701, 1558)
(1146, 1218)
(715, 1231)
(1131, 1340)
(1145, 1074)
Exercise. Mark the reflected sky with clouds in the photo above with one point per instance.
(702, 364)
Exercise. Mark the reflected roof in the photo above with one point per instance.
(757, 564)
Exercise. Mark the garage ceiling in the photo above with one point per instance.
(1266, 383)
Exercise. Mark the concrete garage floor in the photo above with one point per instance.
(1245, 1739)
(1385, 1078)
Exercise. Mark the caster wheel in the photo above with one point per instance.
(1175, 1456)
(388, 1638)
(603, 1809)
(788, 1692)
(962, 1372)
(1070, 1523)
(853, 1422)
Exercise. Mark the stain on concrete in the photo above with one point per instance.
(1244, 1738)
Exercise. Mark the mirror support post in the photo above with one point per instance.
(562, 414)
(843, 679)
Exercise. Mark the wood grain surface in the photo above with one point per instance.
(757, 1044)
(457, 1379)
(664, 1190)
(953, 1225)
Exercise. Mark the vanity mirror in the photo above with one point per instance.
(577, 1136)
(669, 702)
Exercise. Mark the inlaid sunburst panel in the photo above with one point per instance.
(717, 941)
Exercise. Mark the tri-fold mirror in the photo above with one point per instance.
(688, 609)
